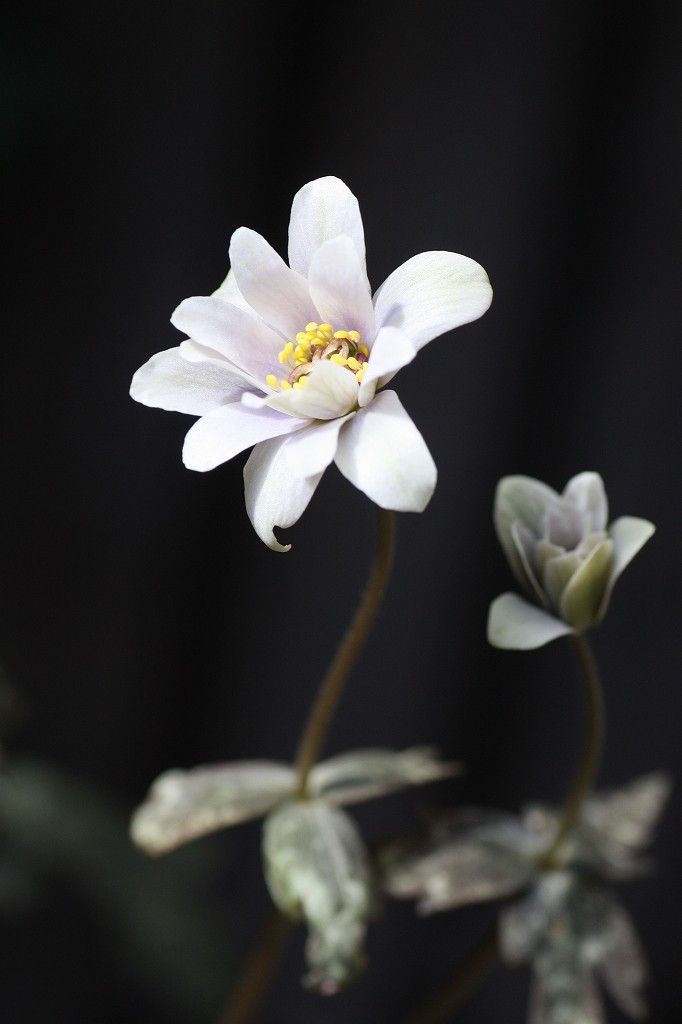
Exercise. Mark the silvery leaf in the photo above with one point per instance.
(565, 993)
(183, 805)
(514, 624)
(525, 500)
(523, 924)
(586, 492)
(482, 862)
(621, 823)
(582, 597)
(629, 535)
(317, 870)
(362, 774)
(623, 967)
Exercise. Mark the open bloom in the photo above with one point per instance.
(316, 864)
(564, 919)
(564, 556)
(294, 360)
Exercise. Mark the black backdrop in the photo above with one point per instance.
(143, 623)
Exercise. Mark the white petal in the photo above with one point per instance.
(384, 455)
(586, 492)
(514, 624)
(228, 291)
(432, 293)
(240, 337)
(329, 391)
(583, 594)
(338, 287)
(629, 535)
(169, 382)
(311, 450)
(228, 430)
(274, 496)
(279, 295)
(321, 210)
(184, 805)
(392, 349)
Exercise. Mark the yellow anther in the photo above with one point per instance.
(312, 326)
(354, 336)
(352, 363)
(298, 384)
(284, 384)
(271, 380)
(363, 349)
(360, 374)
(341, 335)
(338, 359)
(325, 329)
(301, 337)
(301, 352)
(286, 352)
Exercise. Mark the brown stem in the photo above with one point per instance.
(483, 956)
(468, 975)
(258, 972)
(329, 694)
(589, 762)
(259, 969)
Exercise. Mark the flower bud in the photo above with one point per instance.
(563, 554)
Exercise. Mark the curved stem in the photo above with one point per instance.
(483, 956)
(258, 972)
(469, 974)
(592, 747)
(329, 694)
(259, 969)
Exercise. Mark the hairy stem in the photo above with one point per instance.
(482, 957)
(258, 972)
(329, 694)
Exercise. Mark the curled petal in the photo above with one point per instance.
(384, 455)
(514, 624)
(183, 805)
(168, 381)
(322, 210)
(432, 293)
(274, 495)
(228, 291)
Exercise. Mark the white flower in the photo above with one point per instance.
(294, 359)
(562, 554)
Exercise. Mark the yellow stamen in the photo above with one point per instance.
(271, 380)
(339, 360)
(312, 326)
(352, 363)
(354, 336)
(284, 384)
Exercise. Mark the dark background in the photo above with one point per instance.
(144, 625)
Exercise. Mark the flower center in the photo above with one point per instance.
(319, 341)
